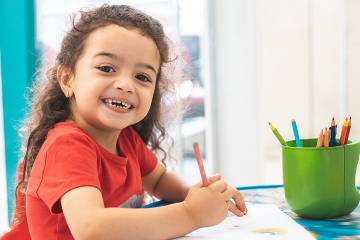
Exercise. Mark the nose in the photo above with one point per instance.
(124, 83)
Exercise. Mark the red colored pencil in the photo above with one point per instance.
(200, 164)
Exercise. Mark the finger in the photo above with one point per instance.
(219, 186)
(211, 180)
(197, 185)
(232, 193)
(214, 178)
(234, 209)
(239, 201)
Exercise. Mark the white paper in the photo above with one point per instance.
(263, 221)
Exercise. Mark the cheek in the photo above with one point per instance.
(87, 90)
(148, 100)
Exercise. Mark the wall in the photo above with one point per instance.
(3, 193)
(276, 61)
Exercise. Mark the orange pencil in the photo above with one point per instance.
(320, 140)
(326, 138)
(348, 131)
(343, 131)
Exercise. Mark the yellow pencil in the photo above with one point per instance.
(277, 135)
(348, 131)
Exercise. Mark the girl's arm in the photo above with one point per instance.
(87, 217)
(165, 185)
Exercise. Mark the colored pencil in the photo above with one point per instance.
(326, 138)
(343, 131)
(200, 164)
(277, 134)
(320, 140)
(296, 133)
(348, 131)
(332, 141)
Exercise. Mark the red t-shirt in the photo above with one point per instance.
(69, 158)
(19, 227)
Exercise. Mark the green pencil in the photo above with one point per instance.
(277, 135)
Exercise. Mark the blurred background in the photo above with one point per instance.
(247, 62)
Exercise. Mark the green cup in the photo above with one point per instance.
(320, 182)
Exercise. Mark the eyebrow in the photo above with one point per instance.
(148, 66)
(116, 57)
(107, 54)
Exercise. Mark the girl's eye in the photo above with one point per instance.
(107, 69)
(143, 78)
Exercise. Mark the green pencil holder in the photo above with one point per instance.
(319, 183)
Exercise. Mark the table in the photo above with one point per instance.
(346, 227)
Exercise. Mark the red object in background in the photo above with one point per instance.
(19, 227)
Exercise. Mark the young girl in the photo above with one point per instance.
(86, 152)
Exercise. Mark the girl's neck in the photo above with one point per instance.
(106, 139)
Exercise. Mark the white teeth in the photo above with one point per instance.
(117, 103)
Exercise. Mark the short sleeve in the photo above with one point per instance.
(147, 159)
(70, 162)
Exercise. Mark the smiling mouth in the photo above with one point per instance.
(117, 103)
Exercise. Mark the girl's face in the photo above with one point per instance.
(114, 79)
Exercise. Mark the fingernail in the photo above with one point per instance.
(241, 214)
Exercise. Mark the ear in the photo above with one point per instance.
(65, 77)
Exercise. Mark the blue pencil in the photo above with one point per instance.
(333, 128)
(296, 133)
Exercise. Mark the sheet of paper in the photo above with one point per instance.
(263, 221)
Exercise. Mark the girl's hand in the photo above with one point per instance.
(208, 206)
(236, 203)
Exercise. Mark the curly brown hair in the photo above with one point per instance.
(50, 105)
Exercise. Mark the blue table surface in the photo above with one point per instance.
(346, 227)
